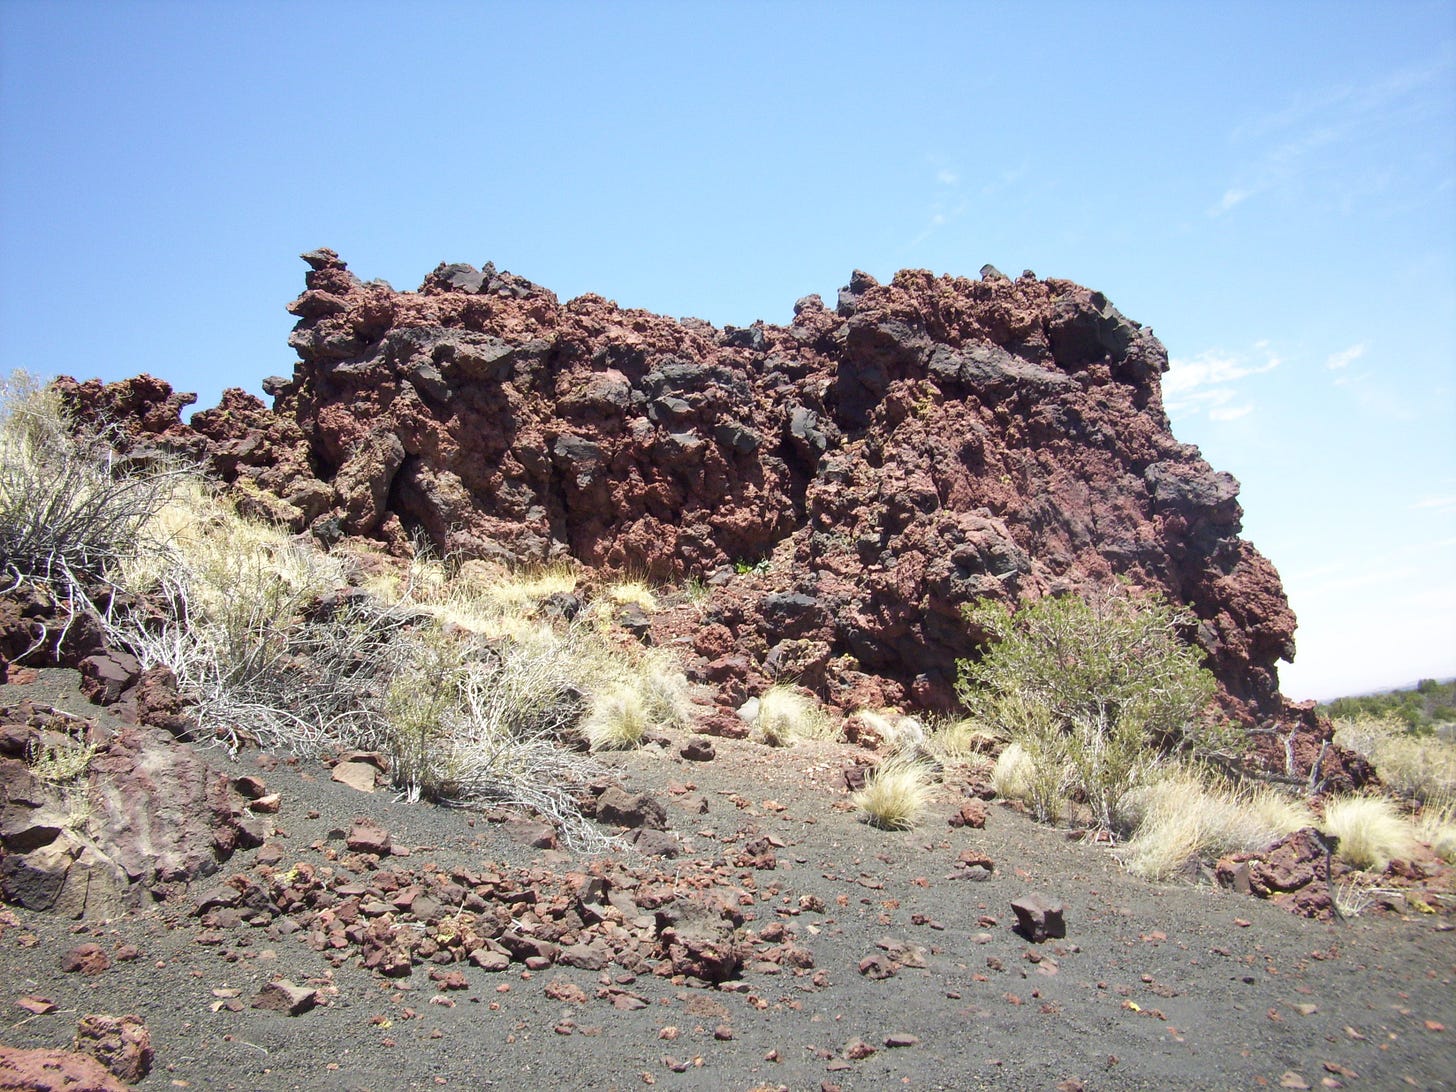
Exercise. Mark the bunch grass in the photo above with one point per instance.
(1370, 831)
(786, 715)
(895, 795)
(1187, 817)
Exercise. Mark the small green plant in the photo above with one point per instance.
(895, 794)
(1095, 691)
(62, 763)
(696, 591)
(744, 567)
(63, 767)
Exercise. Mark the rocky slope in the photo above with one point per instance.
(882, 462)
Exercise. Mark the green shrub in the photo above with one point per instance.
(1421, 709)
(1095, 691)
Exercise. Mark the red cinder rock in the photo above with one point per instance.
(54, 1071)
(867, 469)
(972, 814)
(106, 675)
(89, 959)
(121, 1043)
(283, 996)
(367, 836)
(624, 809)
(1039, 918)
(698, 941)
(698, 749)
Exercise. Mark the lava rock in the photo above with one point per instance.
(1039, 918)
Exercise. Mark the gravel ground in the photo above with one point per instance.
(1153, 987)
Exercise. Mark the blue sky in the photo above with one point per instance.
(1271, 187)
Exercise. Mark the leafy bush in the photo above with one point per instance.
(1094, 691)
(1420, 709)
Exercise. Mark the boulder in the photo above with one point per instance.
(121, 1043)
(932, 441)
(1039, 918)
(54, 1071)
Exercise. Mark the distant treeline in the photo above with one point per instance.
(1424, 708)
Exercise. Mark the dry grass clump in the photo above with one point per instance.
(244, 627)
(961, 738)
(786, 715)
(1422, 767)
(1013, 773)
(665, 691)
(487, 599)
(1370, 831)
(635, 593)
(232, 571)
(1436, 827)
(618, 719)
(895, 794)
(1024, 774)
(72, 507)
(1184, 818)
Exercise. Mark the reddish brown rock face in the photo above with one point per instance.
(925, 443)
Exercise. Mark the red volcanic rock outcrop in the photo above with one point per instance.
(916, 446)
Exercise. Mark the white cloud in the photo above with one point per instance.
(1345, 357)
(1229, 413)
(947, 177)
(1230, 198)
(1306, 148)
(1209, 381)
(1438, 503)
